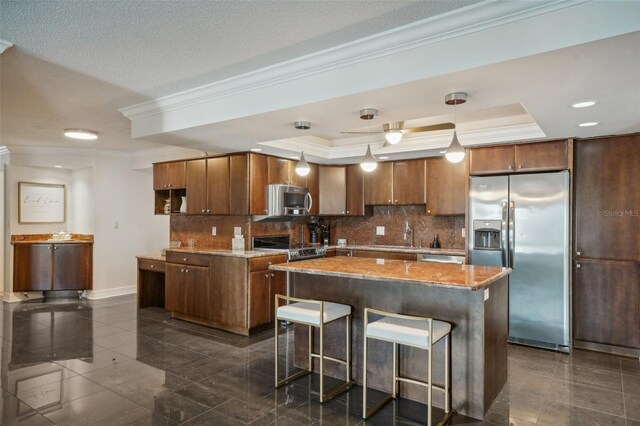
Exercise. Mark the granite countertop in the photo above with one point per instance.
(72, 241)
(403, 249)
(46, 239)
(466, 277)
(247, 254)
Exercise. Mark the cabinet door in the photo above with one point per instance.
(217, 185)
(333, 190)
(355, 190)
(541, 156)
(196, 291)
(160, 176)
(606, 303)
(32, 267)
(278, 286)
(259, 298)
(446, 187)
(239, 184)
(294, 178)
(494, 159)
(313, 183)
(409, 182)
(607, 198)
(174, 287)
(197, 186)
(176, 174)
(72, 266)
(229, 291)
(278, 170)
(258, 178)
(378, 185)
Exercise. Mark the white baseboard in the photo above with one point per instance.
(111, 292)
(14, 297)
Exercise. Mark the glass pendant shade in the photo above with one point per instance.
(393, 136)
(369, 162)
(302, 168)
(455, 152)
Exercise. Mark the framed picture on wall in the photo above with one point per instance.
(41, 203)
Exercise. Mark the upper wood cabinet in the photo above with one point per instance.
(541, 156)
(278, 169)
(333, 190)
(493, 159)
(355, 190)
(239, 184)
(378, 185)
(313, 183)
(169, 175)
(197, 186)
(446, 187)
(258, 180)
(529, 157)
(409, 182)
(398, 183)
(217, 185)
(607, 198)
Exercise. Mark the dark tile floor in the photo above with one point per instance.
(107, 363)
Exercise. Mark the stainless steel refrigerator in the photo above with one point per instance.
(522, 221)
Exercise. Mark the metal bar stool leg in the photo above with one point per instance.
(321, 362)
(276, 337)
(430, 378)
(447, 384)
(394, 393)
(364, 370)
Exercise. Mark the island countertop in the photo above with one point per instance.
(466, 277)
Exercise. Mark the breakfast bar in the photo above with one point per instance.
(473, 299)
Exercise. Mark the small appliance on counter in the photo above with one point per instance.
(314, 231)
(325, 230)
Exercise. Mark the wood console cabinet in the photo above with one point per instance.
(519, 158)
(47, 266)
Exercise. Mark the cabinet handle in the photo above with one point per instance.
(273, 275)
(577, 265)
(202, 210)
(342, 213)
(348, 212)
(577, 253)
(208, 211)
(510, 167)
(170, 185)
(266, 211)
(153, 266)
(389, 201)
(269, 263)
(49, 247)
(395, 202)
(184, 260)
(55, 247)
(266, 275)
(519, 166)
(181, 270)
(428, 211)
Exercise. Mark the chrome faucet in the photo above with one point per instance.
(408, 232)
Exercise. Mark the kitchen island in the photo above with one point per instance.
(474, 299)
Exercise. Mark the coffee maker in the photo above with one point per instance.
(314, 232)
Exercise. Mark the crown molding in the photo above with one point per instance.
(227, 99)
(4, 45)
(436, 140)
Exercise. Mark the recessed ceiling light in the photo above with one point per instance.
(588, 124)
(57, 166)
(384, 157)
(256, 149)
(584, 104)
(80, 134)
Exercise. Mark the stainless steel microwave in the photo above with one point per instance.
(288, 201)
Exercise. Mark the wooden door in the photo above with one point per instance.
(409, 182)
(446, 187)
(218, 185)
(32, 267)
(176, 174)
(239, 184)
(196, 291)
(72, 266)
(607, 198)
(313, 183)
(541, 156)
(278, 170)
(160, 177)
(258, 178)
(606, 302)
(197, 186)
(355, 190)
(490, 160)
(174, 287)
(259, 298)
(333, 190)
(378, 185)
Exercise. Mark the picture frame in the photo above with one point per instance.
(41, 203)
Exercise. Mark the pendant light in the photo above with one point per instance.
(393, 132)
(302, 168)
(455, 152)
(369, 162)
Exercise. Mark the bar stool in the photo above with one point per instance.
(315, 313)
(408, 330)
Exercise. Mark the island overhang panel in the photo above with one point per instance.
(474, 299)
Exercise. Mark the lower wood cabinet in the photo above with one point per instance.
(263, 286)
(606, 302)
(42, 267)
(375, 254)
(187, 290)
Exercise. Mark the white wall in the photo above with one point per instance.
(82, 203)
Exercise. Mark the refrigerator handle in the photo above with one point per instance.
(504, 230)
(512, 232)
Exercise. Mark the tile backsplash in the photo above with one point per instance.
(356, 230)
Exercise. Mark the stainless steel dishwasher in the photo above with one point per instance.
(440, 258)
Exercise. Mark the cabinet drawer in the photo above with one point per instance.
(188, 258)
(262, 263)
(151, 265)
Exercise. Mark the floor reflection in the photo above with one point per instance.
(105, 362)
